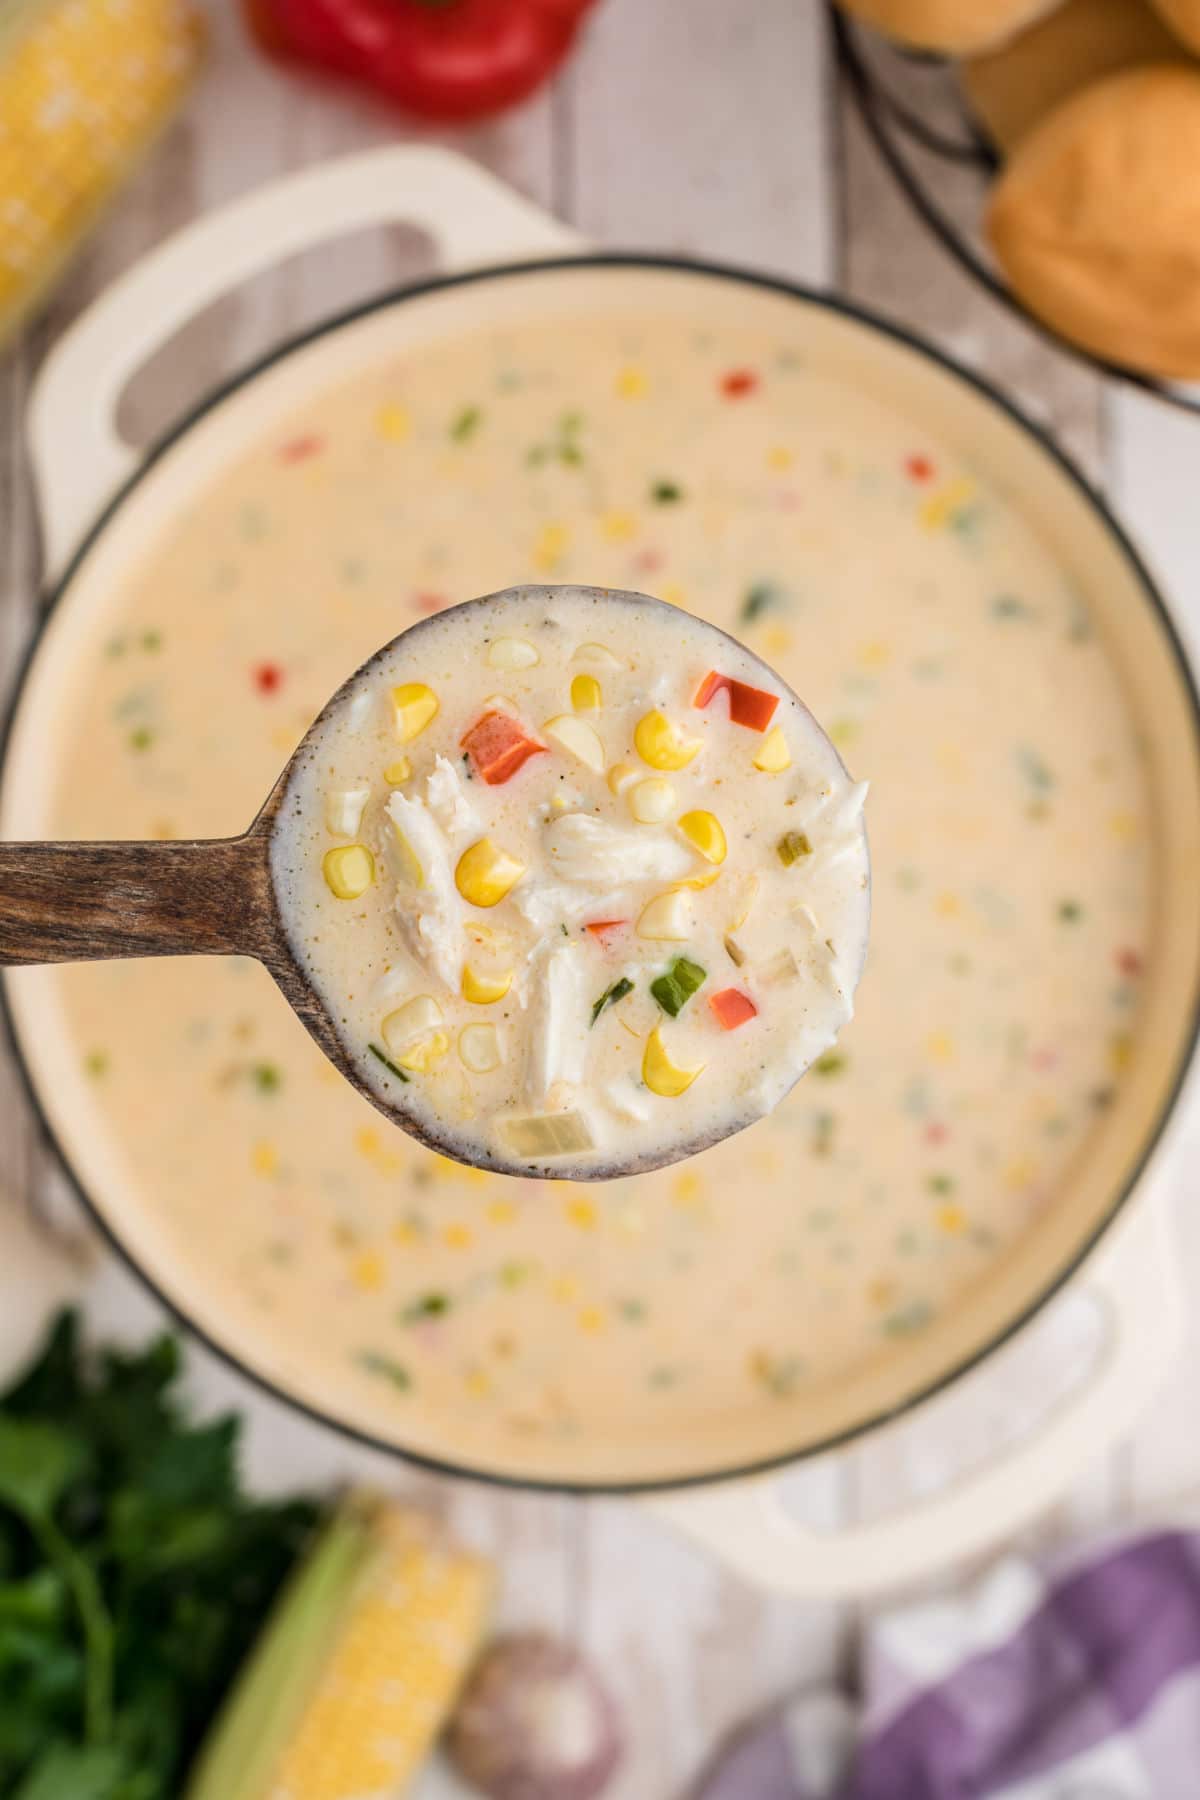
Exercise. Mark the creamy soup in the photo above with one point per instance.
(573, 941)
(942, 645)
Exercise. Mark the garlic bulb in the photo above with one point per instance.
(535, 1723)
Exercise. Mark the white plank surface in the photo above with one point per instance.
(684, 125)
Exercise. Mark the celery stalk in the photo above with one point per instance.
(257, 1720)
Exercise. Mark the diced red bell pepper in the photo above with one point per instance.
(603, 929)
(498, 745)
(731, 1008)
(749, 706)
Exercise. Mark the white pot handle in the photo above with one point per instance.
(79, 458)
(747, 1525)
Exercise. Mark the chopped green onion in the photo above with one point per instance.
(376, 1363)
(666, 493)
(466, 424)
(792, 846)
(426, 1306)
(611, 995)
(387, 1062)
(674, 989)
(764, 596)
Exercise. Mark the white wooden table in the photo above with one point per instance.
(689, 125)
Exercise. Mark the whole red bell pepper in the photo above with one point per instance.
(441, 59)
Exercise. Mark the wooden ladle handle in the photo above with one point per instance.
(75, 902)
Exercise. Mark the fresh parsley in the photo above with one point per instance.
(134, 1573)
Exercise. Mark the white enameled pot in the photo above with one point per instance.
(99, 505)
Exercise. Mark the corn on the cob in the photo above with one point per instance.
(85, 86)
(357, 1669)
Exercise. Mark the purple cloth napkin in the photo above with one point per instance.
(1076, 1680)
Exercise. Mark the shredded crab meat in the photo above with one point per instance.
(824, 957)
(627, 1099)
(431, 916)
(446, 799)
(550, 904)
(583, 848)
(558, 1029)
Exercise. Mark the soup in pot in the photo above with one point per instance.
(943, 647)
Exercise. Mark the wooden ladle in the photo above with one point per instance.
(83, 902)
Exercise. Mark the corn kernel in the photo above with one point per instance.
(577, 738)
(704, 832)
(349, 871)
(652, 800)
(662, 744)
(550, 546)
(368, 1271)
(393, 423)
(666, 918)
(747, 895)
(344, 808)
(264, 1158)
(425, 1053)
(773, 753)
(485, 873)
(618, 526)
(512, 653)
(479, 1048)
(620, 776)
(484, 990)
(660, 1074)
(599, 654)
(701, 881)
(397, 773)
(415, 1019)
(586, 695)
(414, 706)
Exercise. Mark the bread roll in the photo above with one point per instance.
(956, 27)
(1183, 16)
(1010, 89)
(1096, 220)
